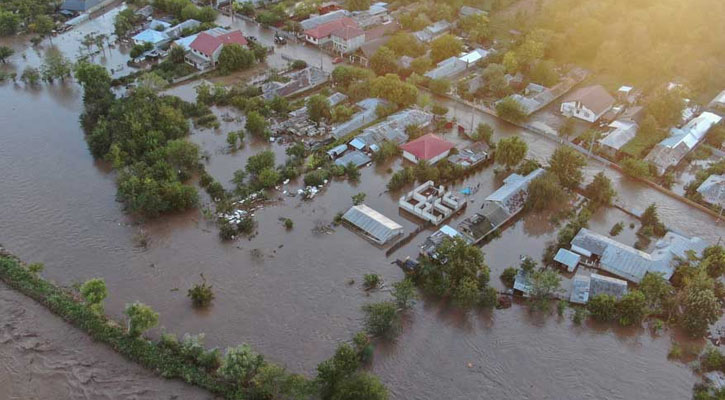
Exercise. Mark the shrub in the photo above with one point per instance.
(404, 293)
(603, 307)
(489, 297)
(140, 318)
(508, 276)
(240, 364)
(94, 292)
(616, 229)
(201, 294)
(371, 281)
(382, 319)
(288, 223)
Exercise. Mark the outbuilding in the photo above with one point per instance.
(372, 224)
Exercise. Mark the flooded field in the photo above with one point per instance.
(290, 298)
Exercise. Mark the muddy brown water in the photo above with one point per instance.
(286, 292)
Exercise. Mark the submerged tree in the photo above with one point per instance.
(94, 292)
(140, 318)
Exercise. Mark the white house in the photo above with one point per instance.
(587, 103)
(347, 39)
(322, 34)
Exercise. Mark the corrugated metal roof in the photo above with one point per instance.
(600, 284)
(566, 257)
(379, 227)
(513, 184)
(580, 289)
(356, 157)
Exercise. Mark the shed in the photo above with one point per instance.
(568, 259)
(358, 158)
(375, 226)
(337, 151)
(522, 283)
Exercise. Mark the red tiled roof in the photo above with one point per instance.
(427, 147)
(348, 32)
(326, 29)
(207, 44)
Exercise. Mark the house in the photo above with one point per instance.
(79, 5)
(206, 48)
(453, 66)
(185, 42)
(471, 156)
(600, 284)
(373, 225)
(587, 103)
(620, 133)
(718, 103)
(522, 283)
(317, 20)
(366, 115)
(431, 203)
(322, 33)
(152, 36)
(629, 263)
(430, 148)
(567, 259)
(499, 207)
(713, 190)
(356, 157)
(467, 11)
(432, 242)
(392, 129)
(433, 31)
(669, 152)
(347, 39)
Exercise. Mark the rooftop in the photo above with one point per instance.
(568, 259)
(595, 98)
(621, 133)
(713, 190)
(601, 284)
(375, 225)
(318, 20)
(151, 36)
(207, 43)
(326, 29)
(427, 146)
(514, 186)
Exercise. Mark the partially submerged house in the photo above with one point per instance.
(669, 152)
(431, 203)
(472, 155)
(580, 285)
(587, 103)
(429, 147)
(629, 263)
(600, 284)
(299, 81)
(567, 259)
(392, 129)
(206, 48)
(499, 207)
(373, 225)
(620, 133)
(712, 190)
(356, 157)
(433, 242)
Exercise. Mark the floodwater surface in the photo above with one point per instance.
(287, 293)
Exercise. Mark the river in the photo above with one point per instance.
(286, 292)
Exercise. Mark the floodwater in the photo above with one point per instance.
(287, 293)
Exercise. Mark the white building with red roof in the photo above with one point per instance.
(430, 148)
(204, 51)
(322, 34)
(347, 39)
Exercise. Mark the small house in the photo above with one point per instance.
(567, 259)
(430, 148)
(620, 133)
(587, 103)
(322, 34)
(712, 190)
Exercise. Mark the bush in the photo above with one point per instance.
(371, 281)
(382, 319)
(140, 318)
(508, 276)
(94, 292)
(201, 294)
(603, 307)
(298, 64)
(315, 178)
(616, 229)
(288, 224)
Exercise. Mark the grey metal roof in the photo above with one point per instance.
(601, 284)
(356, 157)
(567, 258)
(359, 119)
(713, 190)
(580, 289)
(522, 282)
(632, 264)
(622, 132)
(393, 128)
(377, 226)
(514, 184)
(318, 20)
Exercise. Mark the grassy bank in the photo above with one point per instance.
(164, 360)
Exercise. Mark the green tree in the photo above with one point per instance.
(94, 292)
(657, 290)
(600, 191)
(391, 88)
(384, 61)
(544, 73)
(268, 178)
(483, 133)
(445, 47)
(124, 22)
(636, 168)
(318, 108)
(476, 26)
(452, 270)
(700, 305)
(632, 308)
(382, 319)
(420, 65)
(274, 382)
(440, 86)
(9, 23)
(405, 44)
(510, 151)
(713, 261)
(511, 110)
(234, 57)
(545, 191)
(666, 107)
(331, 372)
(566, 163)
(259, 162)
(494, 76)
(508, 276)
(404, 293)
(201, 294)
(544, 285)
(5, 53)
(651, 224)
(31, 76)
(603, 307)
(140, 318)
(240, 364)
(256, 125)
(43, 25)
(361, 386)
(55, 66)
(358, 199)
